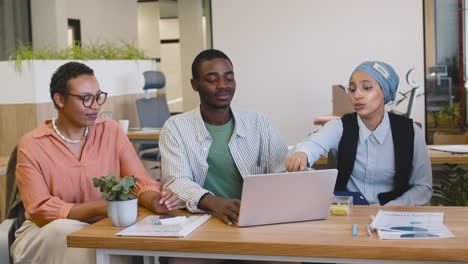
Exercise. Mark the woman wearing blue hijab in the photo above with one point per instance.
(382, 155)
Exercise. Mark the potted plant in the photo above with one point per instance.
(118, 66)
(451, 134)
(453, 187)
(452, 113)
(436, 117)
(122, 202)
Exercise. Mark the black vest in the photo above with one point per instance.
(403, 144)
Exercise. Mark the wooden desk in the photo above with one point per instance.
(322, 161)
(321, 120)
(437, 157)
(442, 157)
(312, 241)
(143, 136)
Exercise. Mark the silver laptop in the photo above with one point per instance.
(286, 197)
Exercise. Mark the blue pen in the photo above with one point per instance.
(355, 230)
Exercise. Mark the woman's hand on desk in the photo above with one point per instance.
(160, 202)
(297, 162)
(224, 209)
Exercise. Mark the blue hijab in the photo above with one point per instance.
(384, 74)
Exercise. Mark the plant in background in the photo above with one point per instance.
(453, 188)
(116, 189)
(452, 113)
(436, 117)
(78, 51)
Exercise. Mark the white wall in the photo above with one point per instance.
(288, 54)
(170, 63)
(98, 22)
(105, 20)
(49, 23)
(191, 43)
(148, 29)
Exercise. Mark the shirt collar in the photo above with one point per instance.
(202, 132)
(379, 133)
(43, 129)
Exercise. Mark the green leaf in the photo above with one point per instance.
(112, 197)
(117, 188)
(104, 193)
(96, 182)
(109, 184)
(453, 187)
(77, 51)
(128, 182)
(123, 197)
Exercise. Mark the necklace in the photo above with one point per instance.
(71, 141)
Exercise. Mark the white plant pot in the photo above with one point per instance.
(122, 213)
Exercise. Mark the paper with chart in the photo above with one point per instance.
(451, 148)
(165, 226)
(410, 225)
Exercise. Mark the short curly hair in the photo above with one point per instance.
(206, 55)
(60, 78)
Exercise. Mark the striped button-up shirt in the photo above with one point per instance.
(256, 147)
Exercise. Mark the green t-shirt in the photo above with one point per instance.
(223, 177)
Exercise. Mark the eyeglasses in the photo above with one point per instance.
(89, 99)
(364, 88)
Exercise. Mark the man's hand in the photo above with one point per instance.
(297, 162)
(160, 203)
(226, 210)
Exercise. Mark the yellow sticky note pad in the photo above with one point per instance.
(339, 209)
(341, 205)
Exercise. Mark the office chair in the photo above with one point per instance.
(152, 111)
(15, 211)
(408, 95)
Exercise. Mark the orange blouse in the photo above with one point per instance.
(51, 179)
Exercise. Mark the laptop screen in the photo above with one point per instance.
(286, 197)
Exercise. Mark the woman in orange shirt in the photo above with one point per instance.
(56, 164)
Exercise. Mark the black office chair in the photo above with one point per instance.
(152, 111)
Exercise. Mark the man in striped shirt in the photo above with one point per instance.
(208, 151)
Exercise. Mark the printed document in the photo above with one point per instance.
(452, 148)
(410, 225)
(165, 226)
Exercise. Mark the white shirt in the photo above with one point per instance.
(256, 147)
(374, 168)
